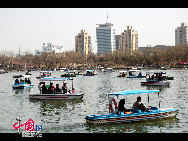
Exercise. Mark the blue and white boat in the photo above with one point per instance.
(22, 83)
(90, 73)
(135, 73)
(45, 74)
(134, 115)
(157, 78)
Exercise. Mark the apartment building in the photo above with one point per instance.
(129, 39)
(83, 43)
(181, 35)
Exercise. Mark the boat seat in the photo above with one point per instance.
(135, 110)
(154, 108)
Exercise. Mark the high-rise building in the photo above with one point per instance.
(83, 43)
(129, 39)
(118, 42)
(105, 38)
(181, 35)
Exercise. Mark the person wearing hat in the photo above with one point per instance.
(64, 88)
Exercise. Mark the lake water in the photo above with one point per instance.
(60, 116)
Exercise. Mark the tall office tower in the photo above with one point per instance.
(105, 38)
(129, 39)
(83, 43)
(118, 42)
(181, 35)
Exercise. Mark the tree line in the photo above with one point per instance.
(144, 57)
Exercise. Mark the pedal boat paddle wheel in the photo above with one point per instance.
(54, 95)
(133, 115)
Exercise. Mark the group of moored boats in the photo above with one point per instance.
(132, 115)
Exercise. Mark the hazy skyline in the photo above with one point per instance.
(29, 28)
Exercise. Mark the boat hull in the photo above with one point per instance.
(136, 76)
(57, 96)
(155, 83)
(89, 74)
(134, 117)
(21, 86)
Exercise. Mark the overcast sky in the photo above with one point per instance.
(29, 28)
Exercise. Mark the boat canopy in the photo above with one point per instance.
(134, 70)
(90, 70)
(19, 76)
(122, 71)
(54, 79)
(129, 92)
(45, 71)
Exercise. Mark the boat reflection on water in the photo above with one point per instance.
(160, 88)
(155, 126)
(26, 90)
(55, 104)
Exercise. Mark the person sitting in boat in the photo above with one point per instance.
(73, 90)
(64, 88)
(28, 81)
(21, 81)
(25, 80)
(51, 88)
(44, 89)
(140, 74)
(130, 73)
(121, 107)
(57, 89)
(17, 81)
(138, 105)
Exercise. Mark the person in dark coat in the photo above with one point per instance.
(44, 89)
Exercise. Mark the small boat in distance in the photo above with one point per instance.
(122, 73)
(131, 115)
(155, 79)
(109, 70)
(69, 74)
(135, 73)
(90, 73)
(44, 74)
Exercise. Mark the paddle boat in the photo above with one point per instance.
(90, 73)
(54, 94)
(131, 115)
(135, 73)
(44, 74)
(3, 71)
(122, 73)
(109, 70)
(155, 79)
(22, 83)
(69, 74)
